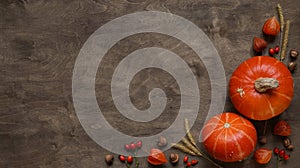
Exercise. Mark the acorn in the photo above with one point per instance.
(162, 142)
(109, 159)
(294, 53)
(290, 147)
(292, 66)
(286, 142)
(174, 158)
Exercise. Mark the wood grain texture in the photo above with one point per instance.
(39, 44)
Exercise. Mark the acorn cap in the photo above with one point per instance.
(109, 159)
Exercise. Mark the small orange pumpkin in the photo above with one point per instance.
(261, 88)
(271, 26)
(156, 157)
(229, 137)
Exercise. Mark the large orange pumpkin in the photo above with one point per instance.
(261, 88)
(229, 137)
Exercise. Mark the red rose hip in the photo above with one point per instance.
(122, 158)
(129, 159)
(139, 144)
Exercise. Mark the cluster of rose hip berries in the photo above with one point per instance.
(273, 51)
(131, 147)
(189, 164)
(281, 154)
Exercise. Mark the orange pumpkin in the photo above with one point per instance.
(229, 137)
(261, 88)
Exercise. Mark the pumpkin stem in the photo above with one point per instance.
(263, 84)
(226, 125)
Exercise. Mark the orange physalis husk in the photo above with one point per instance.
(271, 26)
(259, 44)
(282, 128)
(263, 155)
(156, 157)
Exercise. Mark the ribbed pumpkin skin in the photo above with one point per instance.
(255, 105)
(229, 137)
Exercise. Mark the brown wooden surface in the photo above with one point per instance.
(39, 43)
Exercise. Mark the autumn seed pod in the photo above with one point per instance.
(262, 140)
(286, 142)
(156, 157)
(282, 128)
(290, 147)
(292, 66)
(294, 53)
(259, 44)
(174, 158)
(263, 155)
(271, 26)
(109, 159)
(162, 142)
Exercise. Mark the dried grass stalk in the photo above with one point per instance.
(280, 14)
(188, 133)
(285, 40)
(191, 146)
(183, 148)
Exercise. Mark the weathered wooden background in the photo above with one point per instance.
(40, 41)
